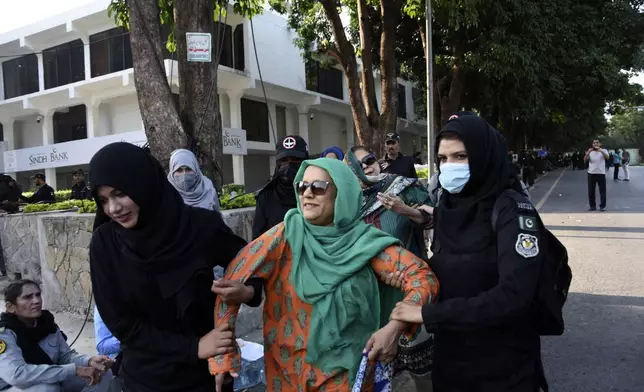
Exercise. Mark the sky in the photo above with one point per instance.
(19, 13)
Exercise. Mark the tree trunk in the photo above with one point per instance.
(390, 14)
(162, 124)
(198, 99)
(451, 99)
(347, 57)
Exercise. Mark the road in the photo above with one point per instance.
(603, 346)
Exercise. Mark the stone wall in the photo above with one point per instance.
(52, 248)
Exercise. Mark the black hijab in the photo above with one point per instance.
(165, 239)
(28, 339)
(463, 220)
(281, 184)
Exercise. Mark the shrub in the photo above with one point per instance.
(83, 206)
(63, 195)
(241, 200)
(422, 173)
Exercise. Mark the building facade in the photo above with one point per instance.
(67, 89)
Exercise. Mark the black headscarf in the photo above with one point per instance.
(282, 184)
(28, 339)
(463, 220)
(163, 240)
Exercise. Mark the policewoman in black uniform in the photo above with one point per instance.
(484, 324)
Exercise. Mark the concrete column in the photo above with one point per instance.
(10, 138)
(50, 175)
(41, 72)
(8, 134)
(47, 123)
(234, 98)
(87, 58)
(1, 82)
(272, 122)
(350, 132)
(92, 118)
(290, 122)
(303, 122)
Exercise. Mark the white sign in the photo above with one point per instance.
(199, 47)
(234, 141)
(80, 152)
(77, 152)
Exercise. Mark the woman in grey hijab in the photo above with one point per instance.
(186, 176)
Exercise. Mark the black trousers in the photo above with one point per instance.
(616, 172)
(593, 180)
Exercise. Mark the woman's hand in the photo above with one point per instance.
(426, 208)
(394, 279)
(383, 344)
(393, 203)
(222, 379)
(410, 313)
(216, 342)
(101, 363)
(232, 292)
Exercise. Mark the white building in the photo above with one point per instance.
(67, 89)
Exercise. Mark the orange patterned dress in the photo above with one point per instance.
(286, 317)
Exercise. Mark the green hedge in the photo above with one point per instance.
(63, 201)
(422, 173)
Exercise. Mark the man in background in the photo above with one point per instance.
(596, 158)
(394, 161)
(44, 193)
(80, 190)
(617, 163)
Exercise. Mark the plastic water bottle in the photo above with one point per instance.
(252, 374)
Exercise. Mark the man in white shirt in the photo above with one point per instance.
(596, 158)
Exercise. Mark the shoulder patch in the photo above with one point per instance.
(528, 223)
(3, 346)
(527, 246)
(525, 206)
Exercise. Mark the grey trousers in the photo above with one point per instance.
(75, 384)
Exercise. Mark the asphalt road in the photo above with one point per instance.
(603, 346)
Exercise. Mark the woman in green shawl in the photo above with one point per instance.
(388, 203)
(321, 268)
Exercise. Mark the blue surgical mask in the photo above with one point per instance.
(454, 176)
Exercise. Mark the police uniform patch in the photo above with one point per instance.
(528, 223)
(527, 245)
(3, 346)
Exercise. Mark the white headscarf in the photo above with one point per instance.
(196, 190)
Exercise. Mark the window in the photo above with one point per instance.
(20, 76)
(255, 120)
(70, 125)
(110, 51)
(232, 46)
(64, 64)
(402, 101)
(324, 80)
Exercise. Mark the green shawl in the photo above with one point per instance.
(331, 271)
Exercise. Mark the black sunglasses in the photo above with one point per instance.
(369, 160)
(318, 188)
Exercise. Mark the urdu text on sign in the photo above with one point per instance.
(199, 47)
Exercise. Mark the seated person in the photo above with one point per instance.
(9, 194)
(34, 355)
(106, 343)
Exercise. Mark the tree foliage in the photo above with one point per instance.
(627, 129)
(541, 69)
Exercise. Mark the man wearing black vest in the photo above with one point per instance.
(394, 161)
(34, 354)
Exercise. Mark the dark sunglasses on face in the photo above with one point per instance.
(318, 188)
(369, 160)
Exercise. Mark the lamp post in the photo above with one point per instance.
(429, 62)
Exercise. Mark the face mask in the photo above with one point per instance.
(287, 172)
(454, 176)
(186, 181)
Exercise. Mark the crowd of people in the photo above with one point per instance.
(338, 261)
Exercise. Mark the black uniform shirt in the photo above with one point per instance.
(45, 193)
(493, 287)
(402, 166)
